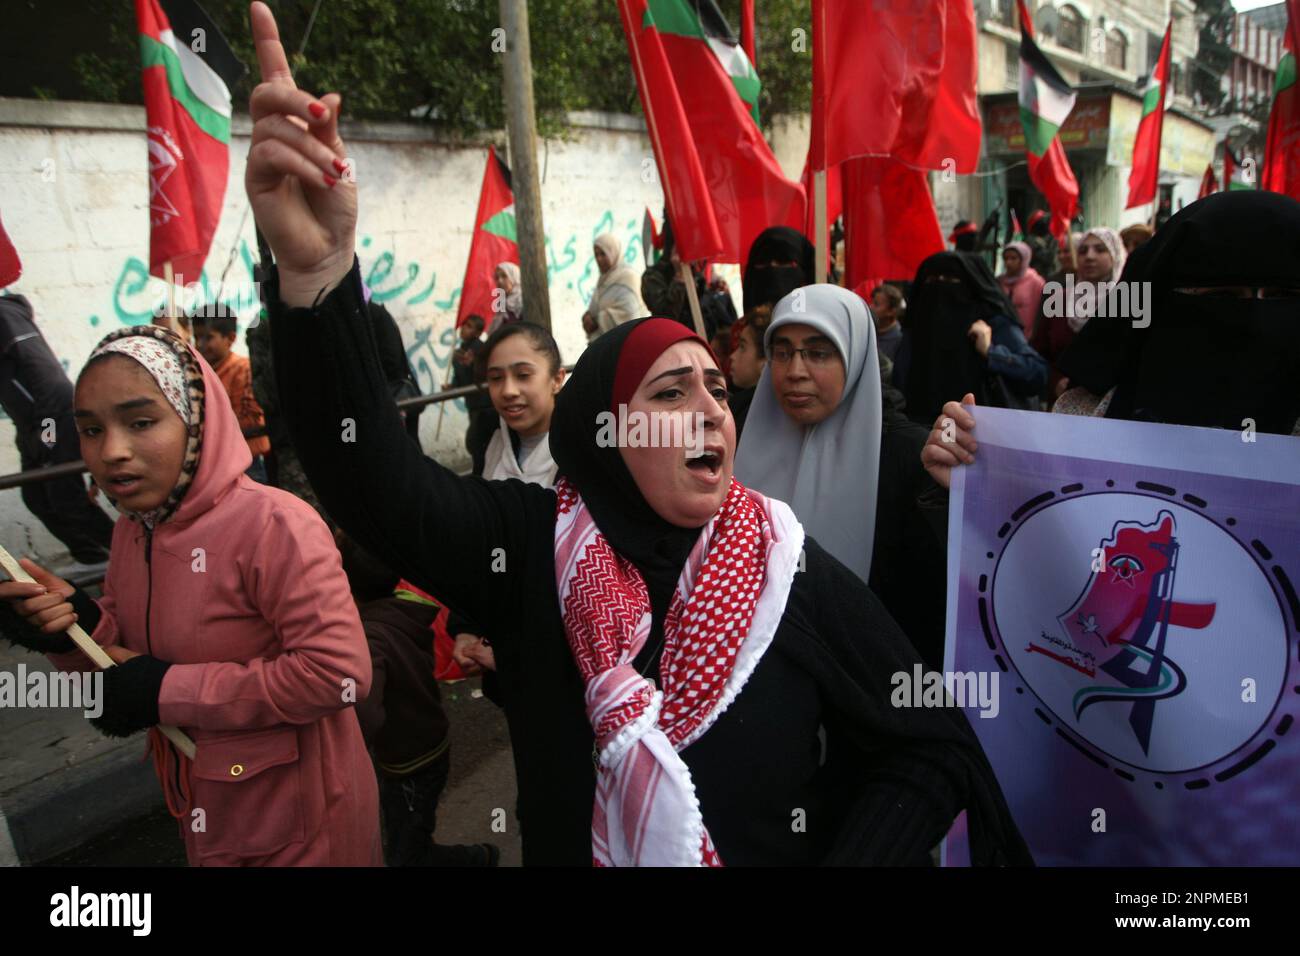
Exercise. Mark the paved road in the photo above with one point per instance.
(482, 781)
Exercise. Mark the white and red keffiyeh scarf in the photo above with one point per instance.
(723, 616)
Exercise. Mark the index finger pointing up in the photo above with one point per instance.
(270, 52)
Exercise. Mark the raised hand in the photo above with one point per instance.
(298, 180)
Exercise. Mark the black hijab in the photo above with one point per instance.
(634, 530)
(1205, 360)
(767, 285)
(944, 365)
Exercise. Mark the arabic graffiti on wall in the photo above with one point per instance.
(138, 297)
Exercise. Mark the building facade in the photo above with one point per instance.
(1255, 39)
(1103, 48)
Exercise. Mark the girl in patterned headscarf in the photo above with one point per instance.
(228, 614)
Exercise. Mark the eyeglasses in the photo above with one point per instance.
(816, 358)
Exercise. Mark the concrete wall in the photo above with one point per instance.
(74, 193)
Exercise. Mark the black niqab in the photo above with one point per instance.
(1207, 360)
(944, 364)
(767, 284)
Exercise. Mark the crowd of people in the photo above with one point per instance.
(692, 651)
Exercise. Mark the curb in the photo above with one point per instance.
(64, 810)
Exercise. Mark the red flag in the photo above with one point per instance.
(1144, 177)
(722, 185)
(895, 79)
(187, 114)
(494, 240)
(747, 31)
(1282, 152)
(10, 267)
(1209, 183)
(1055, 180)
(890, 223)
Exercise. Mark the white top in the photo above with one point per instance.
(533, 464)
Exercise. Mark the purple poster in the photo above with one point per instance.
(1133, 587)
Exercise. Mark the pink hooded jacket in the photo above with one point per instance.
(242, 590)
(1025, 288)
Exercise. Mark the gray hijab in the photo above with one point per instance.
(826, 472)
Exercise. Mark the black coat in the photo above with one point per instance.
(809, 764)
(33, 386)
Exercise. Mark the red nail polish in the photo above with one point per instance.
(316, 109)
(340, 166)
(330, 180)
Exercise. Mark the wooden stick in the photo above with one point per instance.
(92, 650)
(442, 406)
(688, 277)
(170, 315)
(820, 224)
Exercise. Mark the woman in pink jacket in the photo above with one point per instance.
(227, 609)
(1022, 284)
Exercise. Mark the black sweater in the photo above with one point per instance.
(402, 719)
(889, 781)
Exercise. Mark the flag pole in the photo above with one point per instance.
(92, 650)
(170, 279)
(819, 175)
(688, 279)
(442, 406)
(820, 224)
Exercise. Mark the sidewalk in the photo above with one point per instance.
(61, 780)
(65, 787)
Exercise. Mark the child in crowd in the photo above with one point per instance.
(228, 613)
(522, 366)
(214, 336)
(748, 360)
(402, 718)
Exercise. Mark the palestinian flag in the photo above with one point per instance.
(1209, 184)
(187, 72)
(1282, 152)
(494, 241)
(722, 184)
(1014, 232)
(1144, 176)
(1235, 174)
(1046, 100)
(10, 267)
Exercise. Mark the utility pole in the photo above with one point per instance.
(521, 124)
